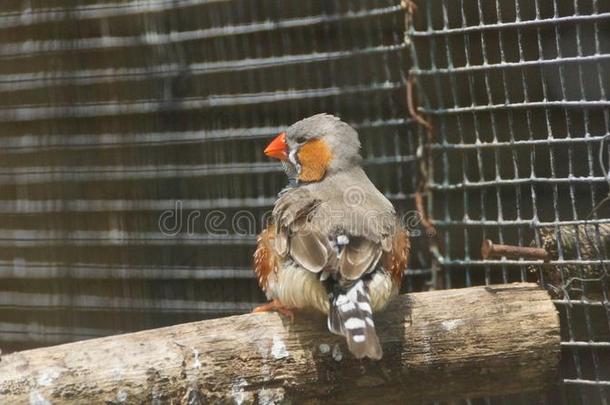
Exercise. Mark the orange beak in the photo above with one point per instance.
(277, 148)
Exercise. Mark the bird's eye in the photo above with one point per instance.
(301, 139)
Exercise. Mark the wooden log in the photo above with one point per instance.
(437, 345)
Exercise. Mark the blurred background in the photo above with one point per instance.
(114, 113)
(132, 179)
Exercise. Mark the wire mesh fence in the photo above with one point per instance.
(517, 91)
(115, 114)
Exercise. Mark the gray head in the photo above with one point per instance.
(316, 147)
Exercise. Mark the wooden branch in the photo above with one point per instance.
(437, 345)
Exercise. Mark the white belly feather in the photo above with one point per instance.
(297, 287)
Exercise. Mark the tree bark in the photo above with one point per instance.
(437, 345)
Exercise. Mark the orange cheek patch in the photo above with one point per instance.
(314, 158)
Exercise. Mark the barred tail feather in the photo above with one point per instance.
(351, 315)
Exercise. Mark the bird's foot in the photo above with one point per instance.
(276, 306)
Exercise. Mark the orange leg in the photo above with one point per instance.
(277, 306)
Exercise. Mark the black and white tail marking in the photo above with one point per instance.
(351, 315)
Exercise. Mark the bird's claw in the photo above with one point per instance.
(276, 306)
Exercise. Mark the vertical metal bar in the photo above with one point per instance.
(511, 132)
(465, 157)
(461, 131)
(443, 138)
(532, 153)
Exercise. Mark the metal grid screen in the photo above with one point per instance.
(517, 93)
(114, 114)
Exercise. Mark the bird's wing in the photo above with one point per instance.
(295, 235)
(358, 257)
(310, 248)
(292, 205)
(289, 210)
(316, 250)
(307, 228)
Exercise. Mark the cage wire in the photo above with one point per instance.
(116, 113)
(517, 92)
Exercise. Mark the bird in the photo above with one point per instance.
(334, 242)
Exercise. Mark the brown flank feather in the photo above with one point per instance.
(395, 261)
(314, 158)
(264, 256)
